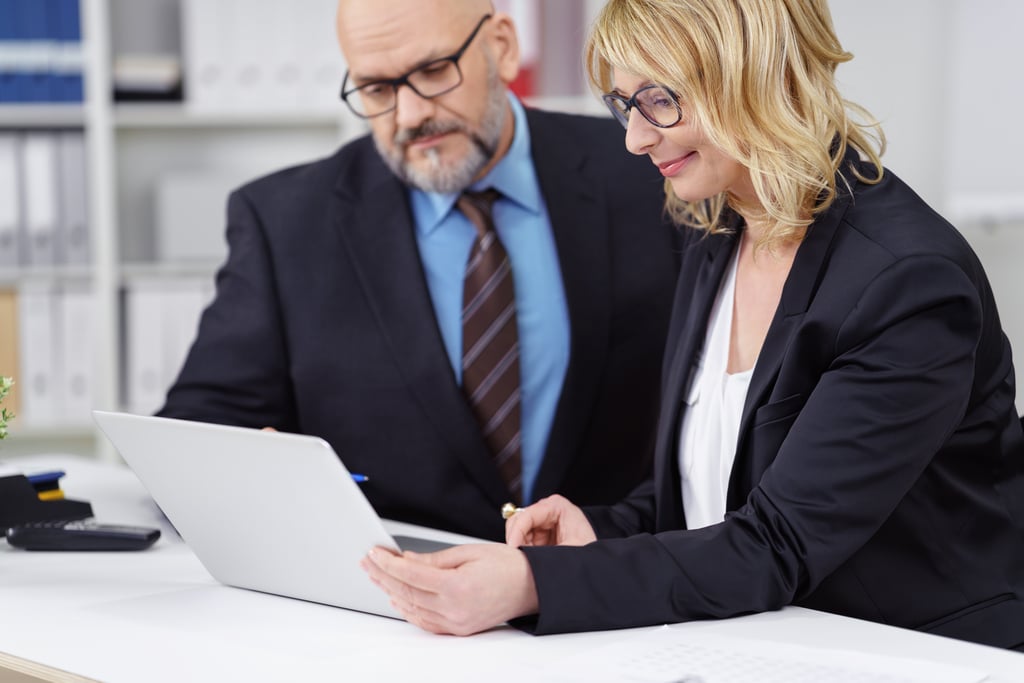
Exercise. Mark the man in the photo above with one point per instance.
(340, 311)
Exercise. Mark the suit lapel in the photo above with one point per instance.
(693, 301)
(809, 267)
(581, 233)
(376, 225)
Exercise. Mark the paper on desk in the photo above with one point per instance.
(670, 655)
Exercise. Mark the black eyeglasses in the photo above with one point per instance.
(433, 79)
(656, 103)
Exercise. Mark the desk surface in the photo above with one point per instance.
(157, 615)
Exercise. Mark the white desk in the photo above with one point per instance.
(158, 616)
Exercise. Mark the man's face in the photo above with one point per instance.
(440, 144)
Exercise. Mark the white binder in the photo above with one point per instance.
(73, 242)
(208, 47)
(41, 362)
(39, 170)
(144, 316)
(10, 200)
(76, 346)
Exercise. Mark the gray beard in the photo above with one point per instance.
(457, 176)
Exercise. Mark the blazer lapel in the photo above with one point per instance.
(581, 232)
(693, 301)
(809, 267)
(376, 225)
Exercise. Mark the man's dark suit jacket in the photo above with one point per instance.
(880, 465)
(323, 324)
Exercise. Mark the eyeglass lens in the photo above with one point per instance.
(655, 103)
(436, 78)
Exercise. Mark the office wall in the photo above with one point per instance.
(945, 78)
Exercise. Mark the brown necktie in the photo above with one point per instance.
(490, 340)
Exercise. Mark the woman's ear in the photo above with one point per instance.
(505, 46)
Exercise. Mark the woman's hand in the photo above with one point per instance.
(461, 590)
(550, 521)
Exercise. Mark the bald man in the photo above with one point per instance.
(339, 310)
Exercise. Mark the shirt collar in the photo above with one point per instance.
(513, 176)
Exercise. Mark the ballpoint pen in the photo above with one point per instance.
(360, 478)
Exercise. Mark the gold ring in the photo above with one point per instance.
(509, 509)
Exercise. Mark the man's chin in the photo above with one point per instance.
(439, 175)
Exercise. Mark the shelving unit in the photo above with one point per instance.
(128, 147)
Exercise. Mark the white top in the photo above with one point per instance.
(711, 424)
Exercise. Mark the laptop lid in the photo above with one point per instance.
(267, 511)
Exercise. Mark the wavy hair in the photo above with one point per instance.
(758, 78)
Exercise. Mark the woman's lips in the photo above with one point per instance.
(670, 168)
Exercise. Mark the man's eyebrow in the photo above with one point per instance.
(374, 78)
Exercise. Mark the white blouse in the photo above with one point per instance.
(711, 424)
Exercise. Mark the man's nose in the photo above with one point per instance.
(410, 108)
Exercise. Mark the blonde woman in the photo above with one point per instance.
(837, 426)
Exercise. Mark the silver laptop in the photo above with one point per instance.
(267, 511)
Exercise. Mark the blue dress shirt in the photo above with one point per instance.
(445, 238)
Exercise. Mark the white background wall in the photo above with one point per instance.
(946, 78)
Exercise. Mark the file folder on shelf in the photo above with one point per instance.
(10, 200)
(73, 242)
(38, 332)
(39, 169)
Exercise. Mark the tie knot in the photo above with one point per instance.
(484, 199)
(477, 208)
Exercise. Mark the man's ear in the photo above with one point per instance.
(505, 46)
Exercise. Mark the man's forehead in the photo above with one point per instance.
(391, 38)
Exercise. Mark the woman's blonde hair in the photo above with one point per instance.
(757, 77)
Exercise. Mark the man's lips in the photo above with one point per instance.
(427, 141)
(670, 168)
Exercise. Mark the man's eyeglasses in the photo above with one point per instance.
(656, 103)
(433, 79)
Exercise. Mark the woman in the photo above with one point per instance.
(837, 427)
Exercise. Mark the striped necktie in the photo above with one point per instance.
(490, 341)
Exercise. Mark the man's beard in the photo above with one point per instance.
(457, 176)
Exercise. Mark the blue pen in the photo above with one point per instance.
(360, 478)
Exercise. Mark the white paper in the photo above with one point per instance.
(672, 655)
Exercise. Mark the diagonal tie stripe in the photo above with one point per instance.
(490, 341)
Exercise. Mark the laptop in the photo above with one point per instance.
(266, 511)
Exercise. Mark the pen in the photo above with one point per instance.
(360, 478)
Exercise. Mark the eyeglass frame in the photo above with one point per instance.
(396, 83)
(632, 103)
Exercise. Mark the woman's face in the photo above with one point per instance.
(694, 167)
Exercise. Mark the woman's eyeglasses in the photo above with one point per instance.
(656, 103)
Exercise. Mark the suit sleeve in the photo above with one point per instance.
(237, 369)
(897, 387)
(633, 515)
